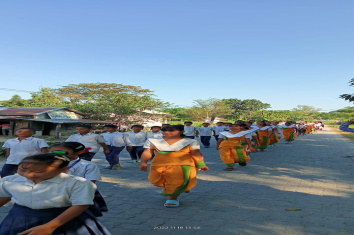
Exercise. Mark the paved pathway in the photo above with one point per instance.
(313, 174)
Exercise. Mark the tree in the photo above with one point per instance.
(349, 97)
(15, 101)
(209, 109)
(245, 109)
(46, 97)
(110, 101)
(305, 113)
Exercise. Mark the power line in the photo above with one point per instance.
(8, 89)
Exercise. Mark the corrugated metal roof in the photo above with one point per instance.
(61, 121)
(30, 111)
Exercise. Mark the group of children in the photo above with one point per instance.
(41, 207)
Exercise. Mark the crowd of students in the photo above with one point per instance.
(74, 206)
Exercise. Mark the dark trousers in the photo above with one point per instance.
(205, 140)
(8, 169)
(136, 152)
(216, 137)
(190, 137)
(113, 156)
(87, 156)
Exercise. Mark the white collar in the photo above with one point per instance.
(162, 145)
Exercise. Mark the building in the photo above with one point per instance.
(46, 120)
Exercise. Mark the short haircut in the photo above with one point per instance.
(85, 126)
(142, 127)
(27, 128)
(188, 122)
(155, 127)
(111, 126)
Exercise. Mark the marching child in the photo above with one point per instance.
(137, 138)
(48, 201)
(22, 146)
(155, 132)
(205, 134)
(82, 168)
(175, 164)
(90, 140)
(190, 131)
(115, 141)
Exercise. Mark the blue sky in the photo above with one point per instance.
(285, 53)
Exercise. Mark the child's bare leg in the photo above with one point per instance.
(173, 197)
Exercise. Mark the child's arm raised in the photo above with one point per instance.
(49, 228)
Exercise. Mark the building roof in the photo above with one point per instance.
(30, 111)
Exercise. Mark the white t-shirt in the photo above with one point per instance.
(61, 191)
(24, 148)
(162, 145)
(89, 140)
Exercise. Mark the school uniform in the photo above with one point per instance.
(190, 131)
(115, 142)
(154, 135)
(205, 134)
(19, 150)
(91, 140)
(217, 130)
(137, 140)
(37, 204)
(174, 167)
(89, 170)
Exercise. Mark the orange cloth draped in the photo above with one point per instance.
(231, 151)
(261, 135)
(288, 134)
(274, 139)
(166, 171)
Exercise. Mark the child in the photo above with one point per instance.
(217, 129)
(174, 166)
(288, 132)
(116, 141)
(48, 201)
(22, 146)
(230, 145)
(205, 134)
(90, 140)
(137, 137)
(190, 131)
(155, 133)
(82, 168)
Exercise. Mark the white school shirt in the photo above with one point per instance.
(137, 139)
(190, 130)
(85, 169)
(218, 129)
(61, 191)
(162, 145)
(205, 131)
(116, 139)
(89, 140)
(152, 135)
(24, 148)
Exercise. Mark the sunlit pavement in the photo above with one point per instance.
(301, 188)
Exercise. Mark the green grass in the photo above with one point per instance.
(347, 135)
